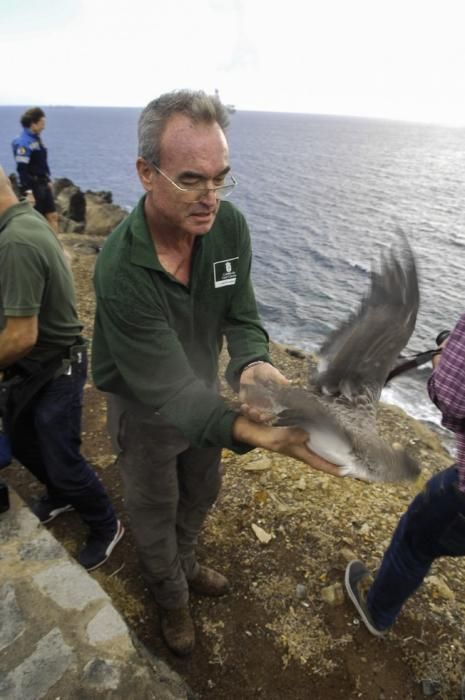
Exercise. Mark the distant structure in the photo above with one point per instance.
(231, 108)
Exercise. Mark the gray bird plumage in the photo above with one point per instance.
(338, 409)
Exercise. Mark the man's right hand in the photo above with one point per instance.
(291, 442)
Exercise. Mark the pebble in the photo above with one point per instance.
(430, 687)
(440, 588)
(347, 554)
(333, 595)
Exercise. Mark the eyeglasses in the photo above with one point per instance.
(221, 191)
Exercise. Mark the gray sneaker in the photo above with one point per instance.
(357, 581)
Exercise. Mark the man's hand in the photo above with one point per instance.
(258, 373)
(287, 441)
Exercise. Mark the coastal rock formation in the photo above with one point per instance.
(101, 215)
(85, 212)
(71, 205)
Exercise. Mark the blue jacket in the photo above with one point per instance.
(30, 155)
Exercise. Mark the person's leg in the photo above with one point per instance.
(148, 462)
(52, 218)
(47, 441)
(199, 483)
(154, 459)
(25, 445)
(57, 423)
(45, 204)
(26, 449)
(433, 526)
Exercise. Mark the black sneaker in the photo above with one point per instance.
(98, 548)
(47, 509)
(357, 581)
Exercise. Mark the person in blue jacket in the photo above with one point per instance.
(31, 163)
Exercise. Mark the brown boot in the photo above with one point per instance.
(209, 582)
(178, 630)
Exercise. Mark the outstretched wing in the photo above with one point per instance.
(357, 357)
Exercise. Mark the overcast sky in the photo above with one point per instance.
(400, 59)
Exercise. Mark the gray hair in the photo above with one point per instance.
(197, 105)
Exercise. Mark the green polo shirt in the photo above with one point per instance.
(157, 341)
(35, 280)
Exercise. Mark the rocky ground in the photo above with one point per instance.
(283, 534)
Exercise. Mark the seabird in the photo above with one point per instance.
(338, 409)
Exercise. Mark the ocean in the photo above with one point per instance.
(323, 196)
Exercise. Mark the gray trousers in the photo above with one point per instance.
(169, 488)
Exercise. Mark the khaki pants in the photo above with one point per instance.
(169, 488)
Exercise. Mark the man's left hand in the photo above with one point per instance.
(258, 373)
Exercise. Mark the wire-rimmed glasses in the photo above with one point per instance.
(221, 191)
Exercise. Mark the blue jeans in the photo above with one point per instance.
(432, 527)
(46, 439)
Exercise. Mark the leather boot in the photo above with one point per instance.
(178, 630)
(209, 582)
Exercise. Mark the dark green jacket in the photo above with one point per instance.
(157, 341)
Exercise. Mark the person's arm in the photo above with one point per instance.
(447, 382)
(23, 272)
(17, 338)
(286, 441)
(22, 154)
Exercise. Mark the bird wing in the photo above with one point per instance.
(357, 357)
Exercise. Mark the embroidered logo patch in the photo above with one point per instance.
(225, 272)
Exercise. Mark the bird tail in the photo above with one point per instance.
(386, 463)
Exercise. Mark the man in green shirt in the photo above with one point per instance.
(43, 358)
(171, 281)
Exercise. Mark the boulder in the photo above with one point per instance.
(104, 195)
(102, 217)
(71, 203)
(60, 184)
(89, 212)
